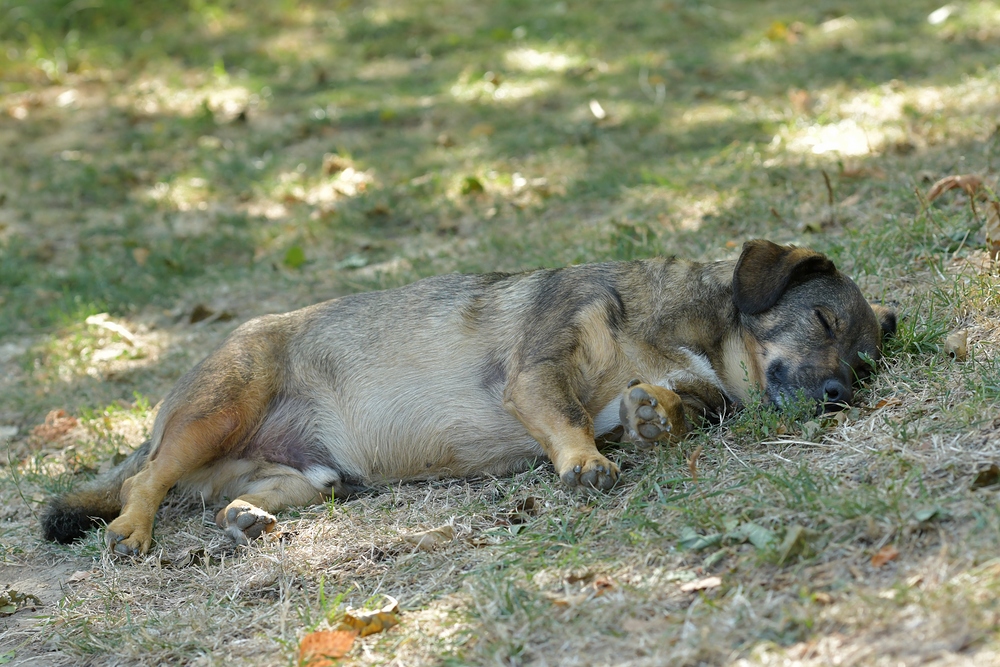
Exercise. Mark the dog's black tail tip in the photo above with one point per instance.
(65, 523)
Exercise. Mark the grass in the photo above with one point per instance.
(167, 175)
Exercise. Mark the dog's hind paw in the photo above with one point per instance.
(244, 522)
(650, 413)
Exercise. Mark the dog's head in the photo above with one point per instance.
(815, 333)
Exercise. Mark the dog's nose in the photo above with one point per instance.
(834, 391)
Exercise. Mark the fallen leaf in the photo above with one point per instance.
(987, 477)
(887, 402)
(690, 539)
(57, 424)
(321, 649)
(795, 542)
(884, 555)
(79, 575)
(693, 463)
(295, 257)
(993, 228)
(755, 534)
(575, 577)
(200, 312)
(926, 514)
(603, 585)
(968, 182)
(334, 163)
(369, 622)
(472, 185)
(956, 345)
(12, 601)
(524, 510)
(429, 540)
(702, 584)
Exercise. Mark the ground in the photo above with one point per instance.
(168, 174)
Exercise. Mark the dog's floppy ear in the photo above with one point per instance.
(886, 318)
(765, 270)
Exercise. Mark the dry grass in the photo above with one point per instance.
(224, 162)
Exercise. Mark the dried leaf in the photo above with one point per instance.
(887, 402)
(57, 424)
(987, 477)
(926, 514)
(796, 540)
(884, 555)
(603, 584)
(369, 622)
(956, 345)
(993, 228)
(429, 540)
(702, 584)
(12, 601)
(691, 540)
(757, 535)
(79, 575)
(693, 463)
(321, 649)
(140, 255)
(968, 182)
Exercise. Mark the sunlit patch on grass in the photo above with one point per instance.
(532, 60)
(155, 96)
(491, 88)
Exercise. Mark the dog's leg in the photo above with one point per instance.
(182, 450)
(249, 516)
(650, 413)
(559, 422)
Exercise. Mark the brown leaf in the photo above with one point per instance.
(79, 575)
(57, 424)
(702, 584)
(693, 463)
(429, 540)
(140, 255)
(968, 182)
(993, 228)
(321, 649)
(956, 345)
(369, 622)
(884, 555)
(603, 585)
(887, 402)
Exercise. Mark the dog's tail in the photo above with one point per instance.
(69, 516)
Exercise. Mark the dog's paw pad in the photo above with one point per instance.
(244, 522)
(596, 473)
(650, 413)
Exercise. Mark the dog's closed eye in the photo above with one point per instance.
(825, 322)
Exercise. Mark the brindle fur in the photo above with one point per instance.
(464, 375)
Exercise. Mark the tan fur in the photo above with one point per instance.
(475, 375)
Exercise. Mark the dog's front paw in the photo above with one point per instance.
(128, 538)
(244, 522)
(591, 472)
(650, 413)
